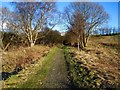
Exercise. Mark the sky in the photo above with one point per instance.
(110, 7)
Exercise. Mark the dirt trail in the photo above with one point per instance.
(57, 77)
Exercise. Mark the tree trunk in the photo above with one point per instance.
(32, 44)
(78, 45)
(84, 43)
(87, 39)
(6, 47)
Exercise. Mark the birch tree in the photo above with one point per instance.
(34, 17)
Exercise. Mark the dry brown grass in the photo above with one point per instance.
(101, 55)
(22, 57)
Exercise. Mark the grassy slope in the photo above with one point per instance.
(23, 57)
(105, 56)
(80, 75)
(101, 58)
(35, 74)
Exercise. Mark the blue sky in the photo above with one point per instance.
(110, 7)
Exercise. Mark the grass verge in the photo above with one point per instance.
(80, 75)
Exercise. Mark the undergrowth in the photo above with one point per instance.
(80, 75)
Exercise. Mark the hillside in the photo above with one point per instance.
(100, 56)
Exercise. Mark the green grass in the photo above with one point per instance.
(40, 72)
(34, 81)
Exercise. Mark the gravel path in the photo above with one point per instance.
(57, 77)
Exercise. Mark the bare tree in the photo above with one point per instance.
(5, 17)
(93, 15)
(78, 29)
(34, 17)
